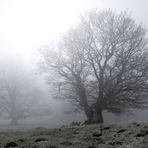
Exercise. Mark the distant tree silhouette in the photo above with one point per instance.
(20, 96)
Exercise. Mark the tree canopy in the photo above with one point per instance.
(100, 64)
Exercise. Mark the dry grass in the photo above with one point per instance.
(132, 135)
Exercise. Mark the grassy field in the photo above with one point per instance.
(132, 135)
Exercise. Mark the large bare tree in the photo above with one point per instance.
(101, 64)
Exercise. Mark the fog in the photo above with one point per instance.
(26, 26)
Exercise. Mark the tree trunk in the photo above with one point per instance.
(97, 116)
(14, 121)
(89, 115)
(94, 116)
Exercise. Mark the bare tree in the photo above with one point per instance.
(20, 97)
(101, 64)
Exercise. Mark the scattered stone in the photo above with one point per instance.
(101, 141)
(40, 139)
(114, 143)
(129, 133)
(121, 131)
(34, 146)
(146, 126)
(136, 124)
(142, 133)
(11, 145)
(85, 122)
(21, 140)
(75, 123)
(66, 143)
(105, 128)
(51, 146)
(91, 147)
(97, 134)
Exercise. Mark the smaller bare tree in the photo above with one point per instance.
(20, 97)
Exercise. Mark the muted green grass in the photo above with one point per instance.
(134, 135)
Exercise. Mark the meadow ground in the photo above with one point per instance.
(130, 135)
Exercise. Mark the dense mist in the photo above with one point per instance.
(27, 98)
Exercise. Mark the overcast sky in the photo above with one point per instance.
(27, 25)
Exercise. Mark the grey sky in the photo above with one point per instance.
(26, 25)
